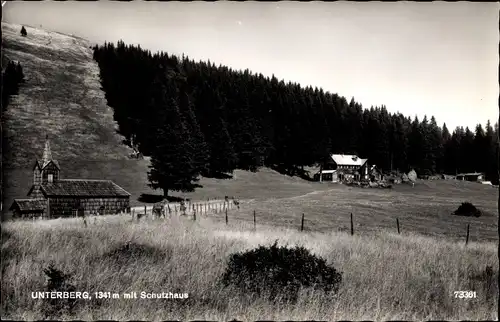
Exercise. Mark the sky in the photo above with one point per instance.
(436, 58)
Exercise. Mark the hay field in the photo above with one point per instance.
(385, 275)
(425, 209)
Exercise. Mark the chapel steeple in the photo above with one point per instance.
(47, 154)
(47, 169)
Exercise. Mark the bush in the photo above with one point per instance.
(280, 271)
(484, 282)
(467, 209)
(58, 282)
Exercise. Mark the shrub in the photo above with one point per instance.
(484, 282)
(58, 281)
(467, 209)
(280, 271)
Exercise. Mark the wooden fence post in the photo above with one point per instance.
(467, 237)
(226, 218)
(302, 223)
(397, 223)
(254, 221)
(352, 226)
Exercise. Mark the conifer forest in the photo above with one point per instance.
(196, 118)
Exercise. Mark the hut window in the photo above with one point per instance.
(51, 178)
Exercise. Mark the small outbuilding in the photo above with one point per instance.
(28, 208)
(473, 177)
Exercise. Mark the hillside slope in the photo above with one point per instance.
(62, 98)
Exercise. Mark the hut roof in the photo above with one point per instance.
(347, 159)
(36, 205)
(83, 188)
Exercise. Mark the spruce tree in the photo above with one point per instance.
(399, 144)
(416, 145)
(447, 156)
(435, 147)
(480, 148)
(491, 170)
(467, 151)
(173, 164)
(195, 143)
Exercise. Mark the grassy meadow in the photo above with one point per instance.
(425, 209)
(411, 276)
(385, 275)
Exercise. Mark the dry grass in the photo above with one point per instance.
(385, 276)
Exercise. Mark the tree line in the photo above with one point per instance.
(12, 77)
(196, 118)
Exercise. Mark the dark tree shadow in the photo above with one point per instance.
(177, 199)
(218, 175)
(292, 171)
(150, 198)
